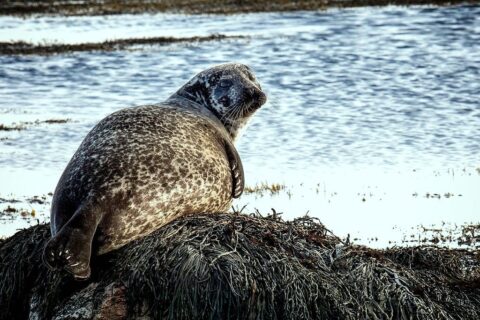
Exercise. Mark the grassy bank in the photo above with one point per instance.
(28, 7)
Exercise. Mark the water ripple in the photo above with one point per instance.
(384, 86)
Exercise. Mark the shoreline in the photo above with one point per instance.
(24, 211)
(114, 7)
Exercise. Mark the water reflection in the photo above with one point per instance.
(357, 98)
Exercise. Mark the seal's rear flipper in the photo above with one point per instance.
(71, 248)
(236, 167)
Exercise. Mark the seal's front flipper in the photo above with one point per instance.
(71, 248)
(236, 167)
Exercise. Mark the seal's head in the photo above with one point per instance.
(230, 91)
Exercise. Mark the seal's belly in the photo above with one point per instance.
(153, 207)
(191, 177)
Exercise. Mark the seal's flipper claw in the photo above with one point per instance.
(48, 258)
(71, 248)
(52, 254)
(236, 167)
(80, 271)
(82, 277)
(66, 252)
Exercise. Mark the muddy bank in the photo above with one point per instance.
(25, 48)
(232, 266)
(12, 7)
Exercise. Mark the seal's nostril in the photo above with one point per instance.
(258, 95)
(262, 97)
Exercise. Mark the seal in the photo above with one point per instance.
(139, 168)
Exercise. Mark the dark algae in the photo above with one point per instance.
(11, 127)
(25, 48)
(235, 266)
(25, 124)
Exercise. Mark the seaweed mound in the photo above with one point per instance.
(233, 266)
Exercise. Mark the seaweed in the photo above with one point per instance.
(237, 266)
(26, 48)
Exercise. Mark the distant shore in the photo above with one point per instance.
(95, 7)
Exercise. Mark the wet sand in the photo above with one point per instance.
(34, 208)
(10, 7)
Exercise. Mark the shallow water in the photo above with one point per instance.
(370, 111)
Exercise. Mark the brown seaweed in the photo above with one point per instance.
(25, 48)
(235, 266)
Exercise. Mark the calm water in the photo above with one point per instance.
(370, 111)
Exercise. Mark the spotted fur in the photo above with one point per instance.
(141, 167)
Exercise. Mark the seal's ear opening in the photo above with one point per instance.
(214, 78)
(248, 72)
(194, 90)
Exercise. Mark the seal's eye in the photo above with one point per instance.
(225, 83)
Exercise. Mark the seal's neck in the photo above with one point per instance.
(237, 127)
(186, 102)
(199, 98)
(198, 102)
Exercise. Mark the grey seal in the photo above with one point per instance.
(141, 167)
